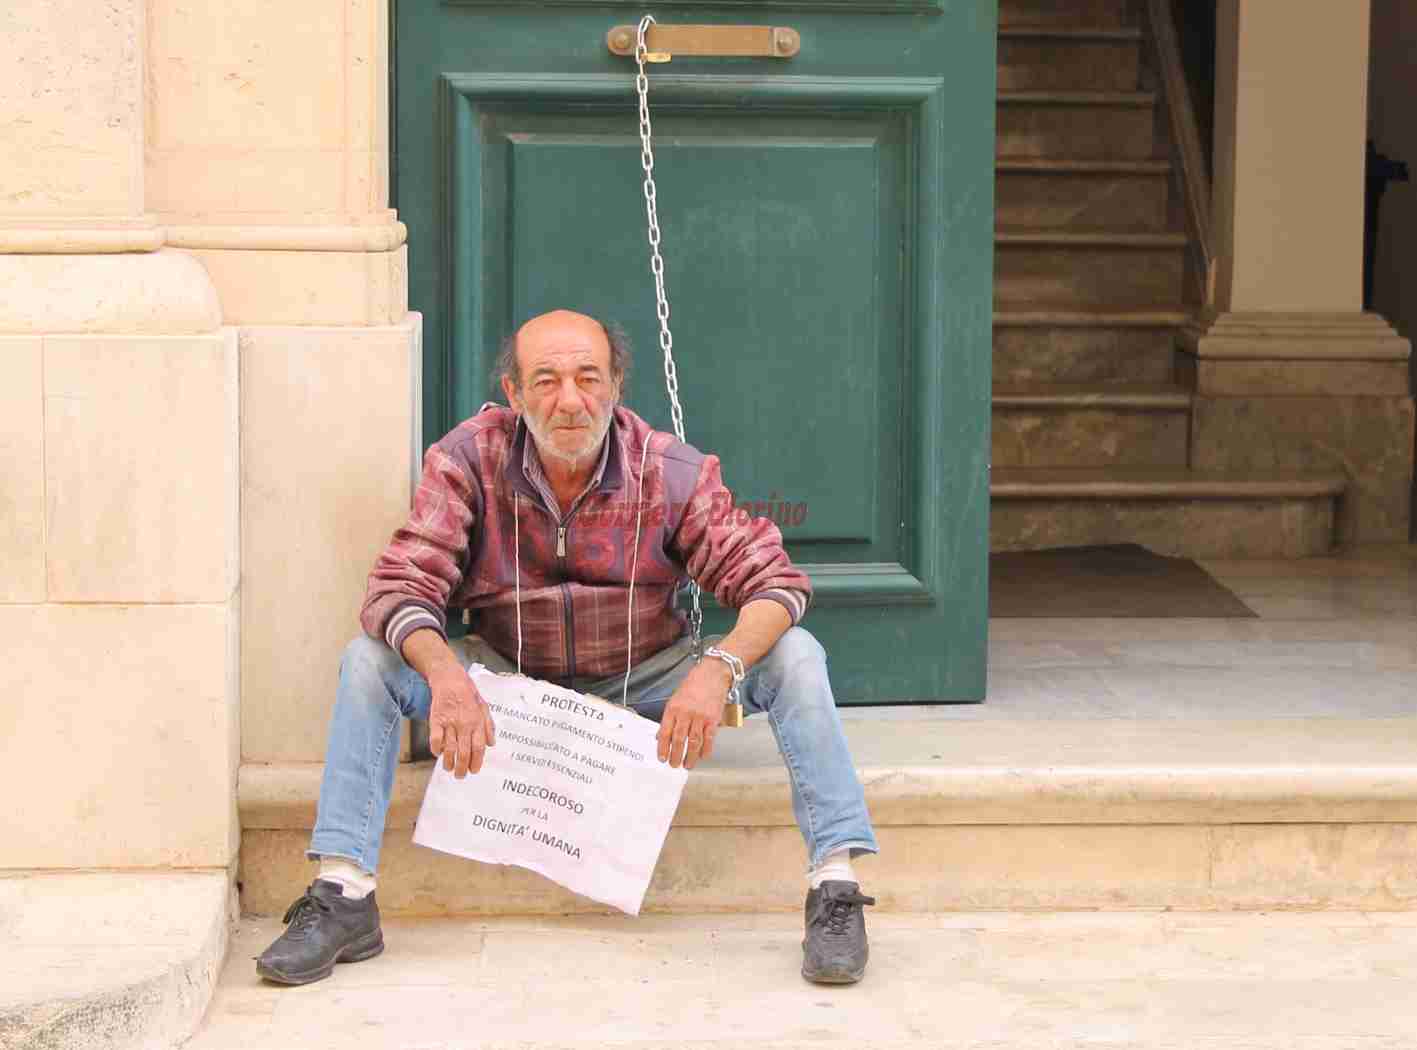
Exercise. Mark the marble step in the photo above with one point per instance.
(1100, 346)
(1171, 511)
(1042, 58)
(1082, 124)
(1066, 13)
(1048, 192)
(970, 812)
(1080, 268)
(1090, 426)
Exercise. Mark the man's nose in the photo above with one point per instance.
(570, 401)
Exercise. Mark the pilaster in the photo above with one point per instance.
(267, 163)
(119, 546)
(1288, 372)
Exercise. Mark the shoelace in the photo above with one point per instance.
(836, 912)
(301, 915)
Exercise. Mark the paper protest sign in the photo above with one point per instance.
(573, 790)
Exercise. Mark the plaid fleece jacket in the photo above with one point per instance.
(458, 549)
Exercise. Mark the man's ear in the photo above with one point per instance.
(511, 393)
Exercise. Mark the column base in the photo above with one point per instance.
(165, 292)
(1286, 354)
(1307, 392)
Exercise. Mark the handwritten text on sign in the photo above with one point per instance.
(572, 790)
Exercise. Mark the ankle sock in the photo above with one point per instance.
(834, 866)
(354, 882)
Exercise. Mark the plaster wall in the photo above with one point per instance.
(1288, 216)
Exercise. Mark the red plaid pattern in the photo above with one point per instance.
(474, 504)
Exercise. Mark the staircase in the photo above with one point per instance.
(1091, 427)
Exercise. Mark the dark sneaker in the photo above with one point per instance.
(324, 927)
(835, 950)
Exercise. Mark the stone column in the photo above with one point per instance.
(1290, 374)
(118, 442)
(267, 160)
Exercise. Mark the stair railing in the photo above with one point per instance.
(1188, 153)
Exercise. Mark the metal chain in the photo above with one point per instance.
(656, 266)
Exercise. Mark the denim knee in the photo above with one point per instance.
(364, 670)
(794, 648)
(796, 655)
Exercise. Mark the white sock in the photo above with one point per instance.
(354, 882)
(834, 866)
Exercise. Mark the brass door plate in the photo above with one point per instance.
(665, 41)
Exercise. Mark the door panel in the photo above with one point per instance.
(828, 251)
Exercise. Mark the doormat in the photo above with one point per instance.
(1123, 581)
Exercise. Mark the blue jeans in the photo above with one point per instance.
(377, 689)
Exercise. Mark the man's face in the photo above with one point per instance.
(567, 392)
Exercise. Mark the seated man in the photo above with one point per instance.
(527, 517)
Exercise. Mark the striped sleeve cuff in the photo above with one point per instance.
(795, 602)
(407, 619)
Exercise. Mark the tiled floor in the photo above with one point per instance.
(1336, 638)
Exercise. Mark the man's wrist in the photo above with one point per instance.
(718, 670)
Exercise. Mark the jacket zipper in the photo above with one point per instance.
(563, 525)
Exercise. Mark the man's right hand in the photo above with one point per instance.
(460, 728)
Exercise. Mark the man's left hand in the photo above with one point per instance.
(692, 716)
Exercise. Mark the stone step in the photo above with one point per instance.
(110, 959)
(1090, 426)
(1118, 195)
(1080, 268)
(1066, 13)
(1033, 58)
(1082, 124)
(1085, 346)
(1109, 813)
(1171, 511)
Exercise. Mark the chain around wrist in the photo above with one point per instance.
(735, 668)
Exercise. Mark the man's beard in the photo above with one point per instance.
(547, 447)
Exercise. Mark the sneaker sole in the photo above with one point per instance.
(835, 978)
(366, 947)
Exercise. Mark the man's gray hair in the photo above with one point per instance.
(507, 367)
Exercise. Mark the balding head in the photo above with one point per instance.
(563, 330)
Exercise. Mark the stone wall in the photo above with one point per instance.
(208, 425)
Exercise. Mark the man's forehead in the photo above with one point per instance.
(562, 340)
(562, 357)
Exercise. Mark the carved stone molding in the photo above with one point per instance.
(1296, 337)
(1308, 355)
(93, 236)
(165, 292)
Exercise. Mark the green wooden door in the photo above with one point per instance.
(828, 237)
